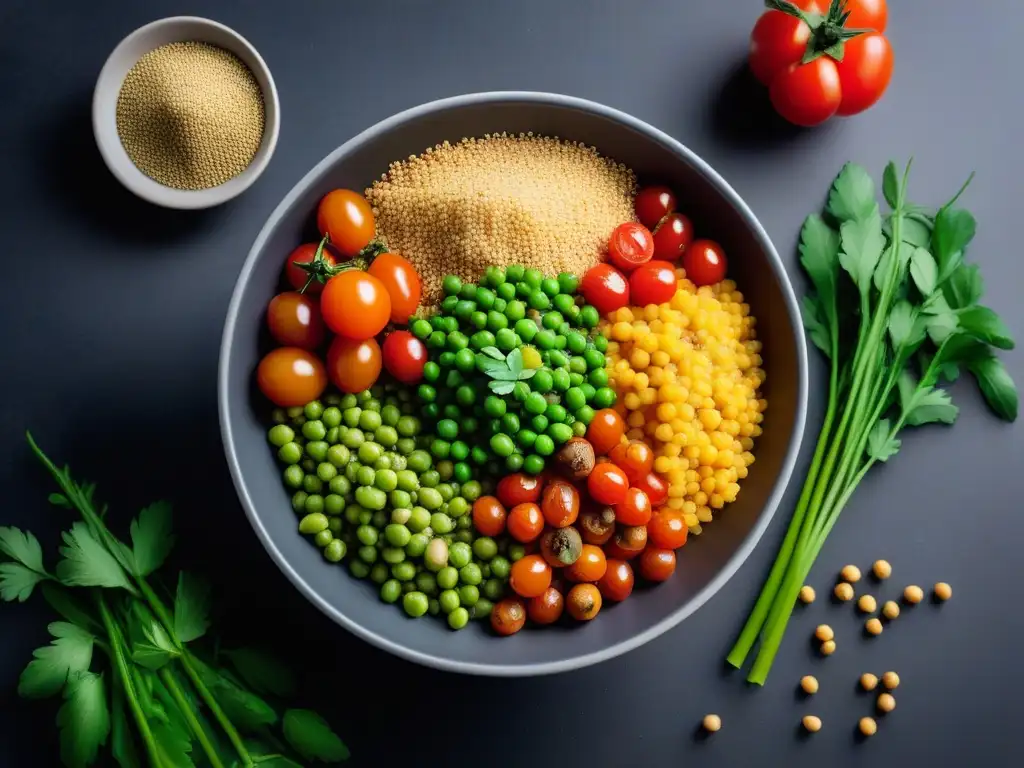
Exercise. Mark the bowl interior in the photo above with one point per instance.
(108, 87)
(705, 563)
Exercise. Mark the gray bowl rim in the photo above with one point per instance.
(746, 546)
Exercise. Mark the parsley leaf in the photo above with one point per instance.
(881, 447)
(152, 539)
(515, 361)
(819, 255)
(904, 330)
(191, 608)
(262, 672)
(924, 271)
(22, 547)
(997, 387)
(87, 563)
(173, 746)
(985, 325)
(493, 352)
(891, 185)
(862, 244)
(17, 582)
(69, 652)
(929, 406)
(954, 229)
(852, 196)
(158, 648)
(68, 606)
(812, 313)
(312, 737)
(964, 287)
(502, 387)
(84, 719)
(122, 746)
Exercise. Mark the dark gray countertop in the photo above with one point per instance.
(112, 314)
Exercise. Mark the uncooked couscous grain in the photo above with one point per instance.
(501, 199)
(190, 115)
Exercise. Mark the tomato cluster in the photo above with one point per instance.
(642, 256)
(583, 537)
(350, 286)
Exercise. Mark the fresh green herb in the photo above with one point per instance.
(161, 699)
(910, 320)
(505, 370)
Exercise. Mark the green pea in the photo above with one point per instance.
(538, 300)
(352, 513)
(468, 292)
(579, 429)
(501, 444)
(526, 329)
(281, 434)
(559, 359)
(555, 412)
(334, 504)
(589, 316)
(371, 498)
(431, 411)
(451, 412)
(445, 489)
(465, 396)
(552, 320)
(574, 399)
(419, 461)
(440, 448)
(338, 455)
(458, 618)
(510, 423)
(535, 403)
(505, 340)
(313, 523)
(544, 445)
(494, 406)
(545, 340)
(430, 479)
(317, 450)
(426, 393)
(514, 272)
(470, 574)
(350, 416)
(447, 577)
(334, 435)
(533, 464)
(334, 551)
(313, 409)
(559, 433)
(420, 328)
(451, 285)
(367, 535)
(390, 414)
(496, 321)
(406, 480)
(594, 358)
(533, 278)
(458, 507)
(390, 591)
(379, 573)
(415, 604)
(290, 453)
(385, 479)
(525, 437)
(403, 571)
(464, 309)
(542, 381)
(575, 378)
(469, 594)
(430, 498)
(448, 600)
(588, 391)
(485, 548)
(294, 476)
(308, 465)
(314, 430)
(500, 567)
(365, 475)
(539, 422)
(563, 303)
(462, 473)
(465, 360)
(471, 491)
(417, 544)
(478, 320)
(312, 484)
(365, 517)
(359, 569)
(405, 446)
(482, 339)
(506, 292)
(392, 555)
(515, 310)
(514, 462)
(441, 523)
(386, 436)
(326, 471)
(493, 589)
(437, 340)
(598, 378)
(447, 429)
(431, 371)
(500, 305)
(604, 398)
(445, 469)
(369, 420)
(459, 555)
(478, 455)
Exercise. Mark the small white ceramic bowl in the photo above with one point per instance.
(104, 109)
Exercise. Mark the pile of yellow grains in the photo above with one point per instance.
(688, 374)
(498, 200)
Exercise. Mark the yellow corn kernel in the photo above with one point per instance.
(625, 378)
(631, 401)
(636, 419)
(649, 343)
(708, 485)
(710, 418)
(623, 314)
(664, 432)
(635, 434)
(622, 331)
(662, 464)
(660, 358)
(666, 411)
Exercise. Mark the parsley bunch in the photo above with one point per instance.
(894, 307)
(156, 696)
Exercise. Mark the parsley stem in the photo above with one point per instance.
(190, 717)
(218, 713)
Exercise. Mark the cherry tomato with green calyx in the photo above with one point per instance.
(306, 254)
(630, 245)
(404, 356)
(605, 288)
(653, 283)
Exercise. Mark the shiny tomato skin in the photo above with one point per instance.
(589, 566)
(508, 616)
(657, 564)
(635, 509)
(289, 376)
(583, 602)
(672, 237)
(519, 488)
(489, 516)
(605, 431)
(704, 263)
(628, 542)
(630, 245)
(347, 219)
(404, 356)
(607, 484)
(807, 94)
(353, 365)
(530, 576)
(864, 72)
(652, 204)
(868, 14)
(635, 458)
(560, 504)
(653, 283)
(779, 40)
(402, 283)
(546, 608)
(294, 320)
(605, 287)
(525, 522)
(655, 488)
(617, 582)
(667, 529)
(298, 277)
(355, 305)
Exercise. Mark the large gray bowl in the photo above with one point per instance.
(706, 562)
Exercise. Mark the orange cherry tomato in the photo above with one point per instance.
(525, 522)
(489, 516)
(635, 458)
(607, 484)
(617, 582)
(583, 602)
(347, 219)
(655, 488)
(530, 576)
(627, 543)
(294, 320)
(667, 529)
(519, 488)
(657, 564)
(298, 277)
(508, 616)
(605, 431)
(561, 504)
(590, 566)
(597, 525)
(402, 283)
(355, 305)
(547, 607)
(290, 376)
(635, 509)
(561, 546)
(353, 365)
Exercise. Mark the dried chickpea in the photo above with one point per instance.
(850, 573)
(824, 633)
(913, 594)
(873, 626)
(891, 609)
(943, 591)
(886, 702)
(891, 680)
(807, 594)
(881, 569)
(867, 726)
(843, 591)
(712, 723)
(811, 723)
(809, 684)
(828, 647)
(867, 604)
(868, 681)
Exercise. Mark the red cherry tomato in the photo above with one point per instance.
(353, 365)
(404, 356)
(778, 40)
(489, 516)
(635, 458)
(868, 14)
(605, 287)
(402, 283)
(653, 283)
(617, 582)
(631, 245)
(634, 509)
(704, 262)
(355, 305)
(294, 320)
(655, 488)
(672, 237)
(347, 219)
(607, 484)
(290, 376)
(297, 276)
(657, 564)
(807, 94)
(652, 204)
(547, 607)
(519, 489)
(864, 72)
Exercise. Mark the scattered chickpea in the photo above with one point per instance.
(807, 594)
(913, 594)
(891, 680)
(850, 573)
(886, 702)
(712, 723)
(882, 569)
(943, 591)
(843, 591)
(868, 726)
(824, 632)
(809, 684)
(867, 604)
(868, 681)
(828, 647)
(873, 626)
(811, 723)
(891, 609)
